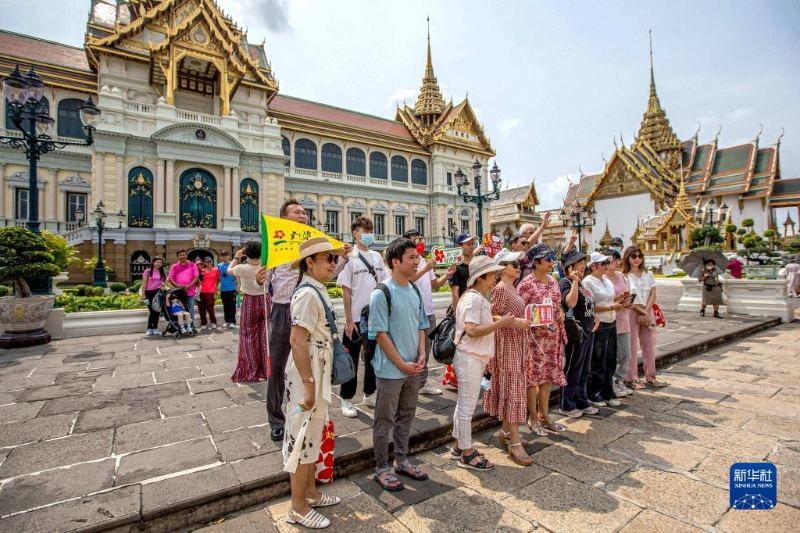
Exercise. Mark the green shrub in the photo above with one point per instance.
(117, 287)
(136, 285)
(24, 254)
(5, 290)
(115, 302)
(97, 291)
(80, 290)
(64, 254)
(335, 292)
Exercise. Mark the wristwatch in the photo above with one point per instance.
(309, 380)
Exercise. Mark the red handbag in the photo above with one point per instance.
(323, 472)
(660, 320)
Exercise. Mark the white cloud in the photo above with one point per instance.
(552, 192)
(509, 125)
(739, 114)
(398, 97)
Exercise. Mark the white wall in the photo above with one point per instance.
(622, 215)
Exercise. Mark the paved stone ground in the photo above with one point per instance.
(103, 429)
(658, 463)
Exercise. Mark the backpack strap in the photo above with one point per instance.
(370, 268)
(386, 294)
(328, 311)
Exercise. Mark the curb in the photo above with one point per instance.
(215, 504)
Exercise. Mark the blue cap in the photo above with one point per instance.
(462, 238)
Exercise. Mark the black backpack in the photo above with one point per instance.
(444, 339)
(368, 345)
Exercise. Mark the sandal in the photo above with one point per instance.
(466, 462)
(537, 430)
(415, 472)
(634, 384)
(311, 520)
(656, 383)
(455, 453)
(522, 460)
(388, 480)
(503, 436)
(325, 500)
(556, 428)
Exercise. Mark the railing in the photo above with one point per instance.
(255, 128)
(305, 172)
(400, 184)
(199, 117)
(379, 182)
(136, 107)
(357, 179)
(419, 187)
(332, 176)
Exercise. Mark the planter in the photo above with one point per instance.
(61, 278)
(692, 296)
(761, 271)
(23, 320)
(759, 298)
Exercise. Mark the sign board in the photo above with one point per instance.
(492, 244)
(540, 314)
(447, 256)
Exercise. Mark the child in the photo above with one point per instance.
(181, 314)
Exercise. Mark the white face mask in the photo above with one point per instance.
(616, 248)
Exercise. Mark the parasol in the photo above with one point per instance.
(693, 263)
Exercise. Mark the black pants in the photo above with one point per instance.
(152, 318)
(353, 346)
(280, 326)
(229, 306)
(604, 363)
(577, 360)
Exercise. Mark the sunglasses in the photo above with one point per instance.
(514, 264)
(524, 243)
(419, 240)
(637, 256)
(331, 258)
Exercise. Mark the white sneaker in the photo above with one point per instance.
(369, 400)
(613, 402)
(590, 410)
(430, 389)
(213, 326)
(203, 328)
(149, 333)
(348, 409)
(598, 404)
(575, 413)
(620, 390)
(225, 325)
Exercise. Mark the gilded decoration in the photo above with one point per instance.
(619, 182)
(197, 200)
(248, 197)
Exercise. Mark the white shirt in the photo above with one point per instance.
(604, 294)
(425, 289)
(474, 308)
(356, 277)
(641, 286)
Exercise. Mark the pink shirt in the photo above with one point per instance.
(623, 322)
(210, 279)
(154, 280)
(183, 275)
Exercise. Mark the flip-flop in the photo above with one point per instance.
(635, 385)
(657, 384)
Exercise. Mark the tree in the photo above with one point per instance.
(771, 235)
(23, 254)
(705, 236)
(730, 228)
(756, 249)
(793, 247)
(748, 223)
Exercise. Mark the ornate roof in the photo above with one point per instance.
(429, 101)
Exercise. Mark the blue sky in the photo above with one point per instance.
(554, 83)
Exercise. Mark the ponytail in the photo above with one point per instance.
(303, 269)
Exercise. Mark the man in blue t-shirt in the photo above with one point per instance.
(399, 358)
(227, 288)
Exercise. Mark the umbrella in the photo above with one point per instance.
(696, 260)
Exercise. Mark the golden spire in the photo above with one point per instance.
(430, 102)
(606, 238)
(682, 201)
(655, 128)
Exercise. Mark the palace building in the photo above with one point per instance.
(196, 139)
(653, 192)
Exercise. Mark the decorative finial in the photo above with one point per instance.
(652, 76)
(716, 139)
(760, 131)
(603, 157)
(580, 169)
(621, 140)
(781, 135)
(697, 133)
(616, 148)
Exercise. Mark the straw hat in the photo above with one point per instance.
(479, 266)
(315, 246)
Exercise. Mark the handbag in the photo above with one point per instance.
(660, 319)
(575, 333)
(342, 369)
(323, 466)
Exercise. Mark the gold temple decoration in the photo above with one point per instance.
(430, 103)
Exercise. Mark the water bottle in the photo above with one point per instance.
(147, 303)
(486, 383)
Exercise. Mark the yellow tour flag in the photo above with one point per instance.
(281, 238)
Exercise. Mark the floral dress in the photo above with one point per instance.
(506, 397)
(545, 348)
(304, 430)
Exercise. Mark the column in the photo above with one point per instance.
(235, 201)
(170, 185)
(2, 190)
(159, 186)
(52, 192)
(226, 203)
(100, 171)
(121, 185)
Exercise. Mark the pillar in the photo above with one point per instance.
(159, 186)
(2, 190)
(99, 174)
(52, 192)
(120, 185)
(227, 193)
(169, 183)
(235, 201)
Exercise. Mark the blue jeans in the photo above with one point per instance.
(190, 307)
(576, 368)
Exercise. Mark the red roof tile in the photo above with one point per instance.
(313, 110)
(25, 46)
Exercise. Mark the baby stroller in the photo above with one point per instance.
(173, 326)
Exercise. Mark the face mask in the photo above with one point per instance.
(616, 248)
(367, 239)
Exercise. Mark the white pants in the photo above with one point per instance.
(469, 372)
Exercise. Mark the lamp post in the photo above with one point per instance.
(578, 218)
(100, 275)
(31, 117)
(707, 215)
(478, 198)
(448, 232)
(318, 224)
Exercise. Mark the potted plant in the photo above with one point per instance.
(23, 255)
(64, 255)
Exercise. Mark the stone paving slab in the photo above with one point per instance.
(123, 412)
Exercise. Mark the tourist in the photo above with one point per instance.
(252, 363)
(357, 280)
(793, 277)
(283, 279)
(600, 387)
(427, 282)
(518, 243)
(399, 359)
(458, 286)
(578, 305)
(622, 295)
(182, 316)
(475, 329)
(530, 237)
(227, 289)
(505, 398)
(641, 318)
(712, 288)
(208, 292)
(307, 380)
(616, 244)
(735, 267)
(152, 282)
(546, 343)
(185, 275)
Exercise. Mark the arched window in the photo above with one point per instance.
(331, 158)
(248, 199)
(69, 119)
(419, 172)
(10, 125)
(378, 166)
(356, 162)
(399, 169)
(287, 149)
(140, 198)
(305, 154)
(198, 199)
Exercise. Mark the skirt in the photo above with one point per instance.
(712, 295)
(253, 346)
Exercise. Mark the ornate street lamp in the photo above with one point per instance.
(100, 275)
(79, 216)
(31, 117)
(579, 217)
(478, 198)
(706, 217)
(321, 226)
(448, 232)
